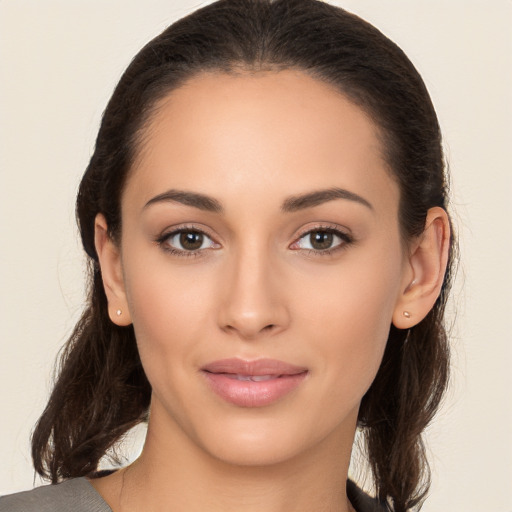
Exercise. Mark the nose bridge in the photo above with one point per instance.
(252, 303)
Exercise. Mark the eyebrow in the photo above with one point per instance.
(291, 204)
(201, 201)
(316, 198)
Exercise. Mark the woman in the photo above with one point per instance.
(265, 216)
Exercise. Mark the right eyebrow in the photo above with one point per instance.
(200, 201)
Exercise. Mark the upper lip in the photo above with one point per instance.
(254, 367)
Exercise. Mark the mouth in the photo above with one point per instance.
(255, 383)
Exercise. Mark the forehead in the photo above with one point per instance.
(268, 132)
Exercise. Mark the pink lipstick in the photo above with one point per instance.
(253, 383)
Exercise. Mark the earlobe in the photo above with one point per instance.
(426, 267)
(109, 259)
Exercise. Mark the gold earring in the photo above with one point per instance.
(119, 312)
(407, 314)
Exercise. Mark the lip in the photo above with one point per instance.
(256, 383)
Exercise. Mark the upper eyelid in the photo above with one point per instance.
(333, 228)
(172, 230)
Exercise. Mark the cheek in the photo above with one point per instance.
(352, 342)
(168, 308)
(348, 314)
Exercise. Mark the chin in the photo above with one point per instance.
(265, 441)
(256, 453)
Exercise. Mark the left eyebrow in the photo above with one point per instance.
(301, 202)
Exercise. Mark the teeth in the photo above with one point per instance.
(252, 378)
(255, 378)
(258, 378)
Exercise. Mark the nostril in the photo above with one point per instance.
(250, 333)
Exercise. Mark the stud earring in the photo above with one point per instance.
(119, 312)
(407, 314)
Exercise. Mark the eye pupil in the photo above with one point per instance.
(191, 240)
(321, 240)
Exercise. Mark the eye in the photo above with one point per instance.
(186, 241)
(322, 240)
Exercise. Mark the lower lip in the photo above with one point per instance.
(245, 393)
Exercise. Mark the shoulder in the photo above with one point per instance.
(361, 501)
(77, 495)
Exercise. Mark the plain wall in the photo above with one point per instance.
(59, 61)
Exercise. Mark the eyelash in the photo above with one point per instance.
(345, 238)
(182, 253)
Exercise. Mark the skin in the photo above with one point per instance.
(257, 288)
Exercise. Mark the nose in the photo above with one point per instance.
(253, 298)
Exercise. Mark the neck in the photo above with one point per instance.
(173, 473)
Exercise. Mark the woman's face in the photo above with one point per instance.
(262, 262)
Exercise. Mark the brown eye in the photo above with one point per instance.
(191, 240)
(321, 240)
(186, 241)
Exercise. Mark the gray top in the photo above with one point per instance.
(78, 495)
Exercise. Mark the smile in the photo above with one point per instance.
(253, 383)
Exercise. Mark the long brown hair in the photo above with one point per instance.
(102, 390)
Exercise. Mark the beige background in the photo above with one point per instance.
(60, 59)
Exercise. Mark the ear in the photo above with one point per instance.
(109, 258)
(424, 274)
